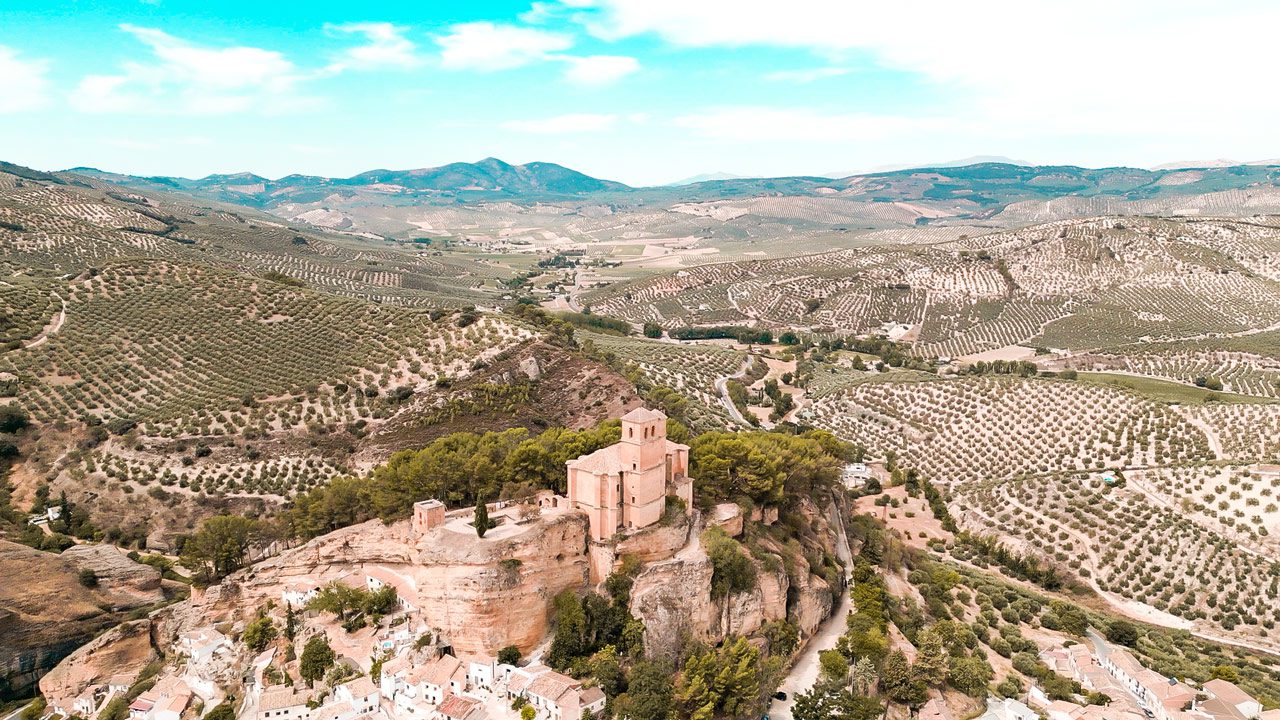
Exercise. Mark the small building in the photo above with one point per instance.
(458, 707)
(481, 672)
(299, 592)
(560, 697)
(361, 693)
(439, 678)
(427, 514)
(376, 578)
(1228, 701)
(165, 701)
(282, 703)
(200, 645)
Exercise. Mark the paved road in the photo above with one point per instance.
(722, 387)
(804, 673)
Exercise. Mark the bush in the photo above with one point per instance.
(88, 578)
(13, 418)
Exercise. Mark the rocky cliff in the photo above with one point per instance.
(46, 612)
(481, 595)
(673, 597)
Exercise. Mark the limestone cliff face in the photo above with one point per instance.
(673, 598)
(121, 651)
(481, 595)
(46, 613)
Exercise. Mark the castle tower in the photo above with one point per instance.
(427, 514)
(644, 434)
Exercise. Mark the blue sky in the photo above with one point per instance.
(643, 91)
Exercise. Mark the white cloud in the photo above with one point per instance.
(564, 124)
(22, 82)
(186, 78)
(598, 69)
(385, 47)
(806, 76)
(755, 124)
(487, 46)
(1097, 66)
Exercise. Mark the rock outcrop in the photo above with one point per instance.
(481, 595)
(122, 651)
(46, 613)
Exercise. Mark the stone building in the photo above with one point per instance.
(624, 487)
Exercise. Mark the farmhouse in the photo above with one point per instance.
(623, 487)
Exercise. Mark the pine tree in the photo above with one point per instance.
(931, 660)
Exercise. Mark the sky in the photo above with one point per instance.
(640, 91)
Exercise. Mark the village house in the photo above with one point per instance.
(282, 703)
(361, 693)
(299, 592)
(559, 696)
(165, 701)
(624, 487)
(1228, 702)
(376, 578)
(458, 707)
(200, 645)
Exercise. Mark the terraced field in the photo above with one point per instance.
(70, 228)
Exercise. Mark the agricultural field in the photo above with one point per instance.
(963, 430)
(1077, 286)
(690, 369)
(1152, 558)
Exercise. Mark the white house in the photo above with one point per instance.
(361, 693)
(283, 703)
(300, 592)
(376, 578)
(165, 701)
(1227, 696)
(560, 697)
(481, 672)
(200, 645)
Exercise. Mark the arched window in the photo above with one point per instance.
(631, 432)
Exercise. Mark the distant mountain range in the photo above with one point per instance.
(390, 202)
(489, 177)
(706, 177)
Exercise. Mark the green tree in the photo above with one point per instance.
(970, 675)
(834, 666)
(571, 630)
(509, 655)
(528, 713)
(317, 658)
(931, 658)
(720, 683)
(482, 518)
(898, 681)
(259, 633)
(732, 571)
(649, 692)
(652, 330)
(220, 546)
(863, 676)
(1122, 632)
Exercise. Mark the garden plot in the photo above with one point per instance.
(1134, 548)
(972, 429)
